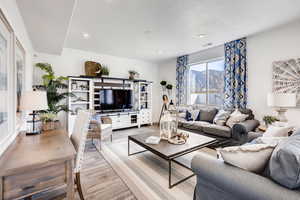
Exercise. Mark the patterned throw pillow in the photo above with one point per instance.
(194, 114)
(236, 117)
(221, 117)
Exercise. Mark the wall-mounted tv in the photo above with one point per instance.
(115, 99)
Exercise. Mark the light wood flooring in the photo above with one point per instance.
(99, 180)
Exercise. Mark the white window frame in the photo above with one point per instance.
(207, 80)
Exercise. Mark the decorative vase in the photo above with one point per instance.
(91, 68)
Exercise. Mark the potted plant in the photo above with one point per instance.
(269, 120)
(104, 71)
(54, 87)
(163, 85)
(133, 74)
(169, 88)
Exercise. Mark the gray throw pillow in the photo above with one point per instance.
(221, 117)
(284, 165)
(207, 115)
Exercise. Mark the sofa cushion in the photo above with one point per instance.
(236, 117)
(274, 131)
(284, 165)
(207, 115)
(222, 131)
(221, 117)
(195, 114)
(188, 116)
(245, 111)
(253, 157)
(197, 125)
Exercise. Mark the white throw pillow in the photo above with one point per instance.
(274, 131)
(221, 117)
(236, 117)
(195, 114)
(253, 157)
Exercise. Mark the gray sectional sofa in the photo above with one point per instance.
(238, 134)
(280, 180)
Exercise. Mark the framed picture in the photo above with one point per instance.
(286, 77)
(20, 56)
(6, 81)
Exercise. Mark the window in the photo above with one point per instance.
(206, 83)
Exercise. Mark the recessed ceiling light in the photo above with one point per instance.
(160, 52)
(147, 32)
(200, 36)
(86, 35)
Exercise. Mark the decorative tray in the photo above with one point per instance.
(175, 140)
(180, 138)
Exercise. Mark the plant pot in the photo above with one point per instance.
(131, 76)
(48, 126)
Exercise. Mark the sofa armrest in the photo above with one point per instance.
(239, 182)
(240, 131)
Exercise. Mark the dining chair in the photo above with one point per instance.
(78, 138)
(100, 129)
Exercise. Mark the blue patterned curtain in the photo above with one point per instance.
(235, 89)
(181, 79)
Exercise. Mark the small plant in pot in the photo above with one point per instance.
(163, 85)
(54, 86)
(133, 74)
(49, 121)
(269, 120)
(169, 87)
(104, 71)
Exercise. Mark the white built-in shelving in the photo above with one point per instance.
(87, 89)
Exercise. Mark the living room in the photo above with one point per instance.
(149, 99)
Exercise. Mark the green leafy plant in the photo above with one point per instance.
(269, 119)
(169, 86)
(133, 72)
(54, 87)
(163, 83)
(47, 117)
(105, 71)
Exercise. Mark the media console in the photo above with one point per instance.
(103, 94)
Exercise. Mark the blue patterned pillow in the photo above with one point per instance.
(188, 116)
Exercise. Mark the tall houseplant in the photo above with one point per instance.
(54, 87)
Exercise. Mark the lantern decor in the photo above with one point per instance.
(168, 126)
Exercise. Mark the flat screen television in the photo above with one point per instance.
(115, 99)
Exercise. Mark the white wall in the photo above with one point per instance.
(11, 12)
(263, 49)
(71, 63)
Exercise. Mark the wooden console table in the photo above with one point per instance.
(34, 164)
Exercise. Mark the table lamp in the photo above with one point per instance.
(34, 101)
(281, 102)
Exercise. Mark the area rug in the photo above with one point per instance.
(146, 174)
